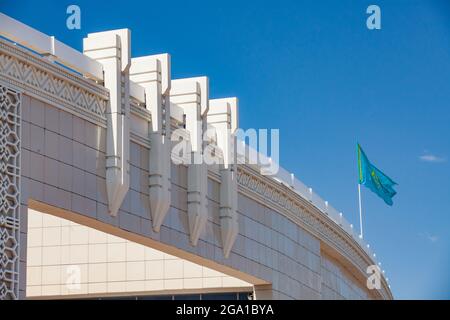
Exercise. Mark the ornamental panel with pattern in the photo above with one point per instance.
(10, 104)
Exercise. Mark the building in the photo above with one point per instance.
(93, 205)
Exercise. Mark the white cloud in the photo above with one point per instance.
(433, 238)
(428, 157)
(430, 237)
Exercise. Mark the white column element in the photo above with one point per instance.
(191, 95)
(153, 73)
(112, 50)
(223, 116)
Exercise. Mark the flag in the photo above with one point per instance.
(371, 177)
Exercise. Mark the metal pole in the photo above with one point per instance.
(360, 211)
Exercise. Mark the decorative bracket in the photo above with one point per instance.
(191, 95)
(153, 73)
(112, 50)
(223, 116)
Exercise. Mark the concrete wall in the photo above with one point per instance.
(64, 173)
(63, 166)
(59, 250)
(339, 283)
(287, 255)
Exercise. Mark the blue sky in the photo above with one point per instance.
(313, 70)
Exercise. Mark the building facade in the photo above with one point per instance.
(96, 202)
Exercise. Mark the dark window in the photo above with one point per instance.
(244, 296)
(117, 298)
(206, 296)
(155, 297)
(187, 297)
(219, 296)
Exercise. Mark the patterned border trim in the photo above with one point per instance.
(35, 75)
(306, 215)
(10, 112)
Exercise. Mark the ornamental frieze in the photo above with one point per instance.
(36, 75)
(268, 192)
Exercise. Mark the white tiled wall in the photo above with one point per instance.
(337, 283)
(63, 165)
(59, 251)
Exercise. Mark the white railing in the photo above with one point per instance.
(48, 46)
(57, 51)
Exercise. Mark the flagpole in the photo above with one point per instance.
(360, 212)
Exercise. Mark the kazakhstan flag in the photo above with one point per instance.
(374, 179)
